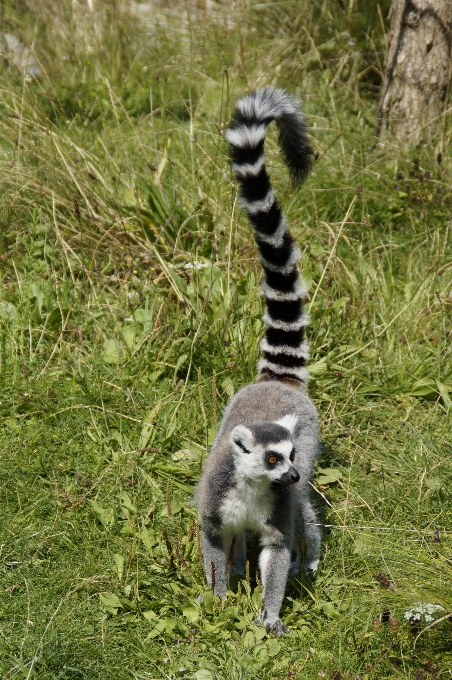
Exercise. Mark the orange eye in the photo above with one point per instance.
(292, 456)
(272, 460)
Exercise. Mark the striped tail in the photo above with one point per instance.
(285, 348)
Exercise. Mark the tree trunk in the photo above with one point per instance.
(418, 67)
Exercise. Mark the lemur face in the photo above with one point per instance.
(265, 451)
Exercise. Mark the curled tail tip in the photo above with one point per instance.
(251, 117)
(297, 154)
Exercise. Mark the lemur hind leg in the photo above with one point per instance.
(312, 536)
(215, 552)
(307, 538)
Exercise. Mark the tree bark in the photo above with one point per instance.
(418, 68)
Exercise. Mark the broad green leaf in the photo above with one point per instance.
(126, 501)
(363, 543)
(323, 480)
(444, 392)
(8, 312)
(187, 455)
(159, 628)
(328, 476)
(228, 614)
(129, 335)
(273, 647)
(128, 604)
(55, 319)
(249, 640)
(178, 281)
(260, 650)
(182, 359)
(329, 610)
(155, 375)
(105, 515)
(256, 597)
(424, 391)
(208, 601)
(202, 674)
(191, 612)
(170, 624)
(176, 505)
(338, 304)
(116, 436)
(148, 538)
(228, 387)
(119, 563)
(94, 316)
(92, 435)
(145, 316)
(170, 430)
(111, 602)
(318, 367)
(111, 353)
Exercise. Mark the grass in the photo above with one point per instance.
(118, 353)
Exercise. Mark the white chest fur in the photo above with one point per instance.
(247, 505)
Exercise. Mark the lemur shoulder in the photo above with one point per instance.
(257, 473)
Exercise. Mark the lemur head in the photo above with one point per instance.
(266, 451)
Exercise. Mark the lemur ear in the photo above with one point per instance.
(289, 421)
(242, 439)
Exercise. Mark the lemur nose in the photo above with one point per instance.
(295, 475)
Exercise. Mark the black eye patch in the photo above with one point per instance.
(292, 455)
(272, 458)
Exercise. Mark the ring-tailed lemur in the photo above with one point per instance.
(257, 473)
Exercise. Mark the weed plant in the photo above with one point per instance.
(130, 313)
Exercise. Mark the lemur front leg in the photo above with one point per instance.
(274, 564)
(215, 548)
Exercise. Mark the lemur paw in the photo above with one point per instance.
(274, 625)
(310, 566)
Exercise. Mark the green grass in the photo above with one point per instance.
(118, 354)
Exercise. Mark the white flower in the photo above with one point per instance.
(133, 296)
(422, 611)
(196, 264)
